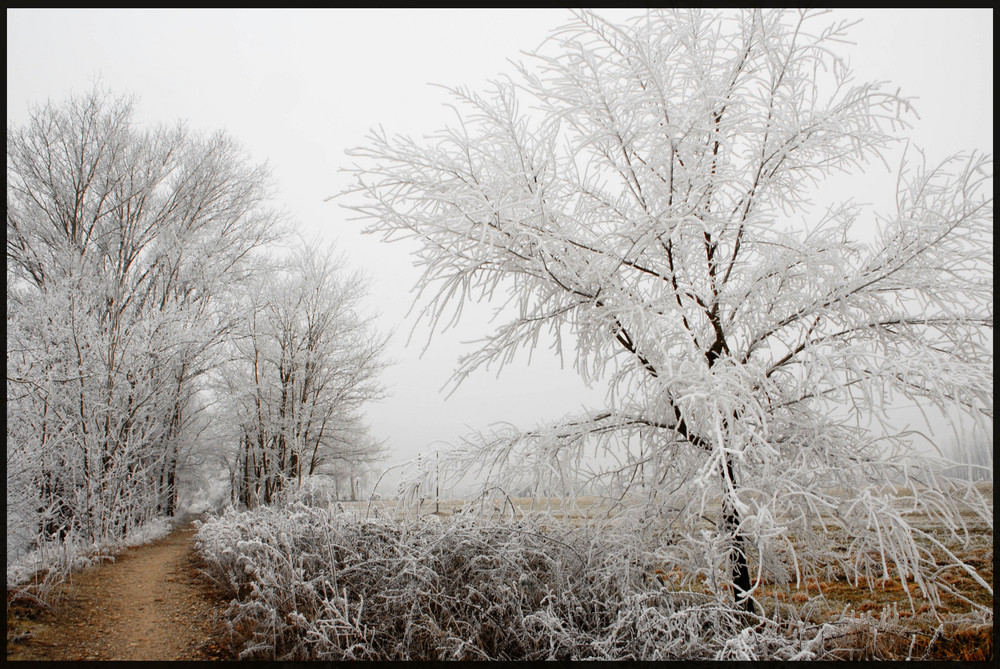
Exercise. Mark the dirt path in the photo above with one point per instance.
(149, 604)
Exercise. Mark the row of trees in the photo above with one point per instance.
(135, 279)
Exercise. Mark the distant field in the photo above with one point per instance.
(580, 508)
(446, 508)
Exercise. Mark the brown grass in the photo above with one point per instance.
(902, 623)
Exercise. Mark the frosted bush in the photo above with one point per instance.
(311, 583)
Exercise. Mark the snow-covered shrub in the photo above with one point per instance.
(318, 490)
(310, 583)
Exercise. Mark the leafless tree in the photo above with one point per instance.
(631, 196)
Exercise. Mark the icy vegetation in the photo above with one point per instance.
(311, 583)
(318, 583)
(969, 459)
(640, 199)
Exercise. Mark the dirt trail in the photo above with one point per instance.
(149, 604)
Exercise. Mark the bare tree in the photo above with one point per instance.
(120, 242)
(303, 365)
(632, 194)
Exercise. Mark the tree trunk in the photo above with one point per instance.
(740, 565)
(172, 488)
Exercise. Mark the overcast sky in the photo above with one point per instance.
(298, 88)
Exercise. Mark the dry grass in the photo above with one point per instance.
(907, 624)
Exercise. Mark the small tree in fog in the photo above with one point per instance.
(642, 193)
(304, 361)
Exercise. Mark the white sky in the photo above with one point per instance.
(298, 88)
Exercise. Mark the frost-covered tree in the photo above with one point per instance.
(302, 365)
(641, 194)
(120, 242)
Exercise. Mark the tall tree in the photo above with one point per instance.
(120, 242)
(634, 189)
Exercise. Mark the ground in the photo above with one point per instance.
(150, 603)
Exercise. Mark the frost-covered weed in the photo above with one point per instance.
(310, 583)
(36, 575)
